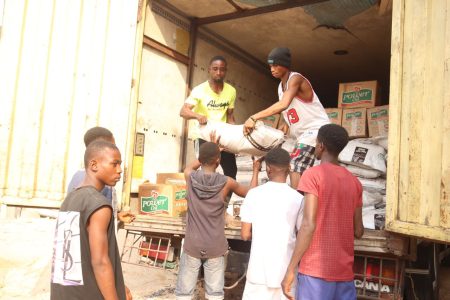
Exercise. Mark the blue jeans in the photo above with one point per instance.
(312, 288)
(214, 269)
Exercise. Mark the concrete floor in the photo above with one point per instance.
(25, 252)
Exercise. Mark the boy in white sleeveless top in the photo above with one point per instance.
(271, 215)
(301, 109)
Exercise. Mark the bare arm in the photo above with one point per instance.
(187, 113)
(246, 231)
(98, 243)
(191, 167)
(242, 190)
(233, 186)
(230, 116)
(125, 216)
(304, 237)
(358, 223)
(256, 169)
(283, 126)
(279, 106)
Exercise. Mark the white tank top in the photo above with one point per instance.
(303, 115)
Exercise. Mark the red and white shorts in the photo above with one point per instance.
(302, 156)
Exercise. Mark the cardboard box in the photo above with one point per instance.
(354, 120)
(335, 115)
(162, 199)
(378, 121)
(164, 177)
(272, 121)
(359, 94)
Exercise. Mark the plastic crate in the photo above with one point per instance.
(378, 277)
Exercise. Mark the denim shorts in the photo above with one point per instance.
(313, 288)
(214, 269)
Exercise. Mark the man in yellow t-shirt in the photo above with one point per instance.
(213, 100)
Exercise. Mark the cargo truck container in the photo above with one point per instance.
(128, 65)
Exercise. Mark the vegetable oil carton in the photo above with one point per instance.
(378, 121)
(359, 94)
(335, 115)
(163, 177)
(162, 199)
(354, 121)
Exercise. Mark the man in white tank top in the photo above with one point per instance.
(301, 110)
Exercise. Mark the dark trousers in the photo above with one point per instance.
(227, 162)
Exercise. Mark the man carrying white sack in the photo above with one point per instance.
(213, 100)
(301, 109)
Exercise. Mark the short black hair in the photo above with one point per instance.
(333, 137)
(96, 133)
(208, 153)
(94, 148)
(218, 57)
(278, 157)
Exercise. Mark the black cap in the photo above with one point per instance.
(280, 56)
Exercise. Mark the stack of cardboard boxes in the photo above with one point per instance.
(358, 110)
(165, 198)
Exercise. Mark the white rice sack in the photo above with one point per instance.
(244, 163)
(377, 185)
(376, 140)
(368, 214)
(362, 172)
(363, 154)
(371, 198)
(368, 220)
(233, 139)
(381, 141)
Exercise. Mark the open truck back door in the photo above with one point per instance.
(419, 135)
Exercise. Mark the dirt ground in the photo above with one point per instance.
(25, 264)
(26, 249)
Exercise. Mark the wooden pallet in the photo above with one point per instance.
(373, 241)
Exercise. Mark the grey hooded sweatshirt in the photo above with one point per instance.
(205, 233)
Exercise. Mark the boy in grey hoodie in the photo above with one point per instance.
(205, 243)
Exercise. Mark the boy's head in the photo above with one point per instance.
(217, 69)
(277, 162)
(331, 138)
(279, 60)
(98, 133)
(209, 154)
(102, 160)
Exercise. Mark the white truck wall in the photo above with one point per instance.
(65, 67)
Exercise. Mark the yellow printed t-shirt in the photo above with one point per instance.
(207, 103)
